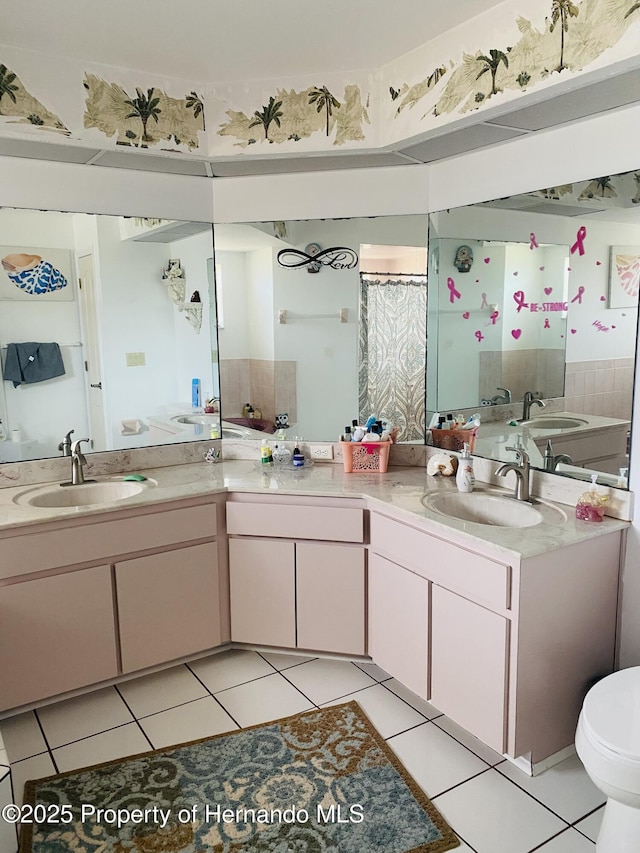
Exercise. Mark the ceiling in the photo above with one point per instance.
(218, 41)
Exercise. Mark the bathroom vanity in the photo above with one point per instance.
(501, 628)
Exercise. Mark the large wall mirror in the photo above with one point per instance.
(327, 342)
(105, 322)
(536, 296)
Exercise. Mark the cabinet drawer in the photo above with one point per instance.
(52, 549)
(332, 524)
(448, 565)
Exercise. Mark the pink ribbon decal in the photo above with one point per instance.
(494, 317)
(533, 243)
(578, 296)
(453, 293)
(479, 336)
(518, 298)
(578, 246)
(546, 323)
(484, 303)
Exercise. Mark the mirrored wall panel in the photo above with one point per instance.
(322, 322)
(533, 304)
(107, 329)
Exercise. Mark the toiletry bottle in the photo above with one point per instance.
(265, 454)
(298, 456)
(346, 435)
(358, 433)
(441, 422)
(3, 433)
(450, 423)
(465, 479)
(195, 393)
(590, 506)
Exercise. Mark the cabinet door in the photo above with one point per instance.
(469, 665)
(168, 605)
(262, 582)
(56, 634)
(398, 623)
(330, 597)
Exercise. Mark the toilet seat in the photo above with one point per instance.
(611, 716)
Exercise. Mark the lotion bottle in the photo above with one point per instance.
(465, 479)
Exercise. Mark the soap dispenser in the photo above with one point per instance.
(465, 479)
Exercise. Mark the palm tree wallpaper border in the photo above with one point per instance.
(587, 29)
(20, 107)
(290, 115)
(557, 39)
(144, 119)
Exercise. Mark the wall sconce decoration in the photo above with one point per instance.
(464, 258)
(174, 280)
(337, 257)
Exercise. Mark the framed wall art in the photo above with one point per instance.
(624, 276)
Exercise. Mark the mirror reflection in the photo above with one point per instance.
(539, 333)
(322, 346)
(105, 323)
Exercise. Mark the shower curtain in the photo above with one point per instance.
(392, 351)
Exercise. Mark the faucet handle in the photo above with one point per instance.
(65, 444)
(522, 457)
(75, 446)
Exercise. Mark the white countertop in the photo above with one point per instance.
(397, 493)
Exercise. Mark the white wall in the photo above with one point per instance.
(60, 401)
(233, 338)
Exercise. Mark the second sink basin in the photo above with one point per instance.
(493, 509)
(106, 492)
(554, 423)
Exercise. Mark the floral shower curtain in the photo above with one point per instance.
(392, 351)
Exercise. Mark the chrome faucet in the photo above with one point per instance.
(529, 400)
(501, 399)
(65, 444)
(521, 469)
(78, 461)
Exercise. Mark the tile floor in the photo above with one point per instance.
(490, 804)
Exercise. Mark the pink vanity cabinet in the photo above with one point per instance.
(505, 645)
(297, 572)
(85, 600)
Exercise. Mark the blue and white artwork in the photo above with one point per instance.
(35, 274)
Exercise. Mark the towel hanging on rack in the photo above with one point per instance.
(32, 362)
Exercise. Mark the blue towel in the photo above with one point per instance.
(32, 362)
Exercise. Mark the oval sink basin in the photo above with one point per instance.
(492, 509)
(554, 423)
(84, 495)
(233, 432)
(197, 419)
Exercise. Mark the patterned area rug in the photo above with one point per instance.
(320, 782)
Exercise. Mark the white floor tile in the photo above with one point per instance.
(263, 700)
(374, 671)
(107, 746)
(328, 680)
(83, 716)
(22, 737)
(284, 661)
(569, 842)
(565, 788)
(495, 816)
(37, 767)
(388, 713)
(198, 719)
(590, 826)
(162, 690)
(470, 741)
(8, 836)
(421, 705)
(435, 760)
(229, 669)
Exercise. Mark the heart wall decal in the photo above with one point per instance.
(515, 333)
(548, 290)
(466, 315)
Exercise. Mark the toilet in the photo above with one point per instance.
(608, 744)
